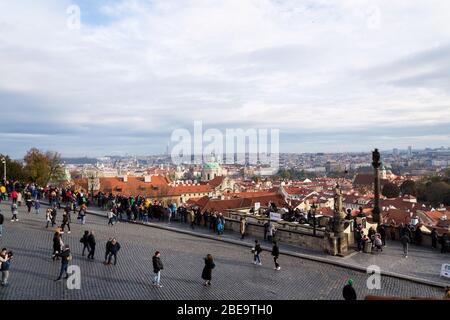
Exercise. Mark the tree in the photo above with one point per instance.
(42, 168)
(436, 191)
(390, 190)
(408, 187)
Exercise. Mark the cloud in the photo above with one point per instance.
(136, 70)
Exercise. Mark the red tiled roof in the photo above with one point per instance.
(187, 189)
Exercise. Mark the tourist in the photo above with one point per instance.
(272, 231)
(14, 211)
(2, 219)
(107, 250)
(82, 213)
(28, 202)
(276, 254)
(5, 264)
(243, 227)
(378, 243)
(66, 257)
(113, 249)
(266, 230)
(58, 244)
(382, 231)
(445, 242)
(48, 217)
(111, 216)
(434, 238)
(192, 217)
(418, 236)
(14, 196)
(85, 241)
(37, 206)
(405, 240)
(157, 267)
(91, 244)
(392, 228)
(359, 239)
(207, 270)
(256, 250)
(65, 222)
(54, 213)
(349, 292)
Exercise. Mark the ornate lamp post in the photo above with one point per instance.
(4, 168)
(376, 163)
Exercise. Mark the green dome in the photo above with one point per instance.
(211, 165)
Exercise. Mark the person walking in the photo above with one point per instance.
(114, 248)
(243, 227)
(14, 211)
(349, 292)
(85, 241)
(111, 216)
(91, 244)
(65, 222)
(58, 245)
(276, 254)
(157, 267)
(54, 213)
(66, 257)
(405, 240)
(14, 196)
(257, 253)
(2, 219)
(207, 270)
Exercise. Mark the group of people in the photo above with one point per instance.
(376, 238)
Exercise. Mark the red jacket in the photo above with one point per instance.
(14, 194)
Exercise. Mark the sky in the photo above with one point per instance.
(332, 76)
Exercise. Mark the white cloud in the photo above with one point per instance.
(301, 66)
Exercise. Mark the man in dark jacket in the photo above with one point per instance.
(114, 248)
(434, 238)
(349, 292)
(405, 240)
(275, 254)
(91, 243)
(65, 222)
(66, 257)
(257, 253)
(157, 267)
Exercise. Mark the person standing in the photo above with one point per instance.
(14, 196)
(85, 241)
(257, 253)
(37, 206)
(392, 228)
(114, 248)
(48, 217)
(14, 211)
(107, 250)
(434, 238)
(54, 213)
(349, 292)
(207, 270)
(91, 243)
(405, 240)
(157, 267)
(29, 202)
(2, 219)
(65, 222)
(82, 213)
(444, 243)
(5, 264)
(382, 231)
(243, 227)
(66, 257)
(276, 254)
(192, 217)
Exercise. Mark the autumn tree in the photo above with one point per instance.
(390, 190)
(41, 167)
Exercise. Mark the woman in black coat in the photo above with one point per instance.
(207, 270)
(57, 245)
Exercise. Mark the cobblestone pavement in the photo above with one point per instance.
(423, 263)
(235, 277)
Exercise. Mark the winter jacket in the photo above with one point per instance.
(157, 264)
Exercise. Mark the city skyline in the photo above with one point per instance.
(342, 77)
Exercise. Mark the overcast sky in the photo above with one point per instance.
(346, 75)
